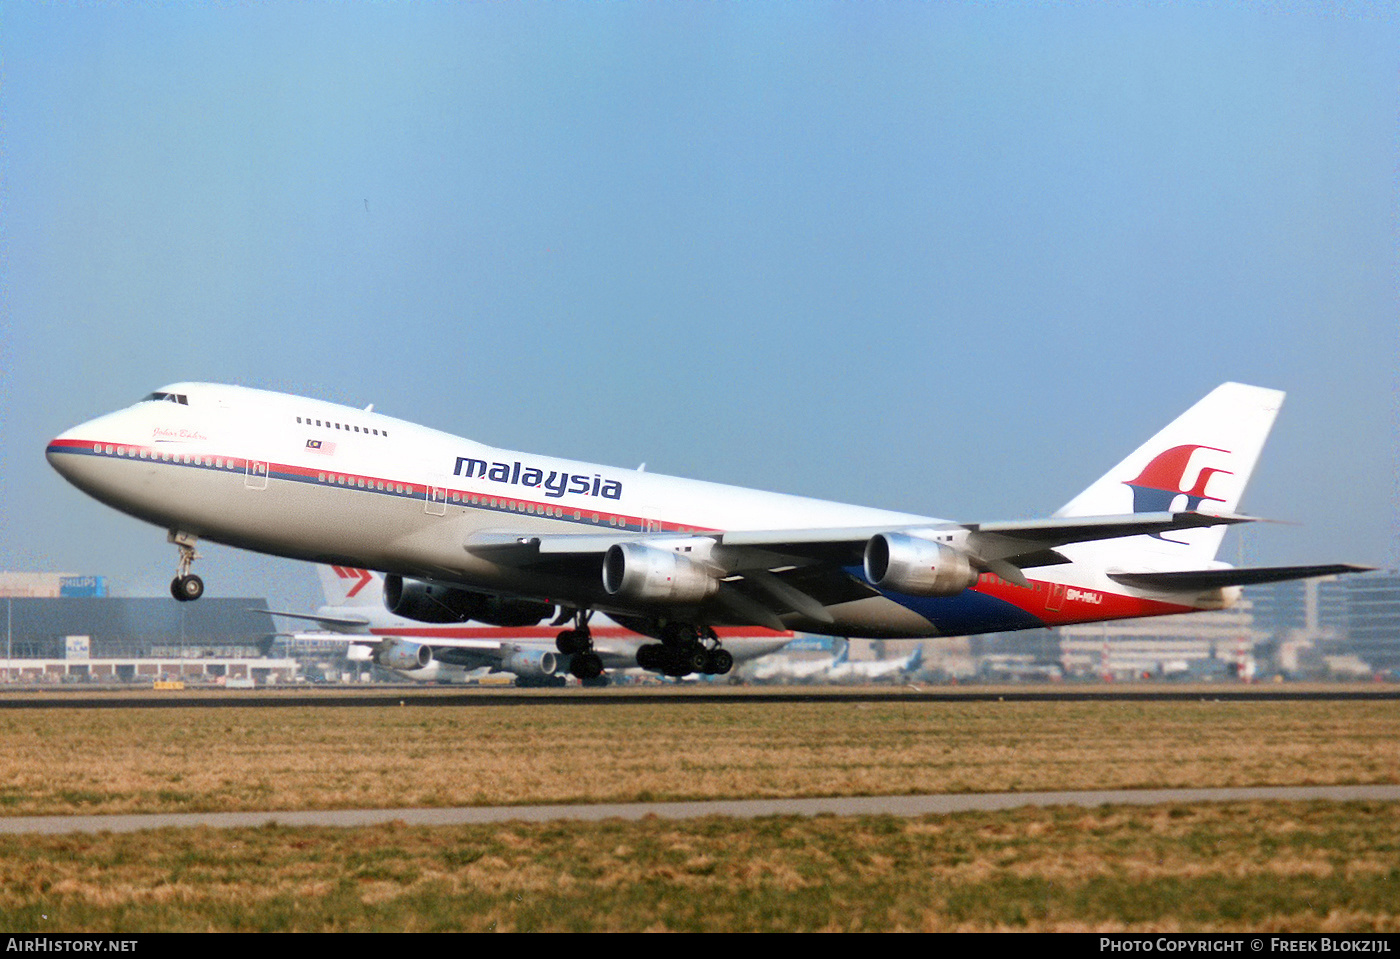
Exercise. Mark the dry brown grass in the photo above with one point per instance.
(198, 759)
(1282, 867)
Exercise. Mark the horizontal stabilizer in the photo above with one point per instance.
(1217, 578)
(338, 623)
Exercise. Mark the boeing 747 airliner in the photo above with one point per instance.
(468, 532)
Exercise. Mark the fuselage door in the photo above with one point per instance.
(255, 474)
(435, 500)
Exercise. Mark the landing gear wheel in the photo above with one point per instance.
(187, 589)
(586, 666)
(694, 658)
(686, 648)
(652, 656)
(721, 662)
(572, 641)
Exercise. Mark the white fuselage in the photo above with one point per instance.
(318, 481)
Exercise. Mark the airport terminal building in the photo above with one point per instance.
(64, 628)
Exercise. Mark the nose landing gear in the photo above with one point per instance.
(186, 587)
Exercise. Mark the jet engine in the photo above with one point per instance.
(434, 603)
(402, 655)
(531, 664)
(648, 574)
(917, 566)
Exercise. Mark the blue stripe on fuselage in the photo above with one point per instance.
(967, 612)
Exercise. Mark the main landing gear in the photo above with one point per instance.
(186, 587)
(577, 644)
(684, 649)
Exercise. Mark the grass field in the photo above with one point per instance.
(157, 760)
(1249, 866)
(1275, 866)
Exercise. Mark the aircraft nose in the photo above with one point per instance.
(68, 451)
(62, 450)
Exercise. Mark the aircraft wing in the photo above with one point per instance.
(1022, 543)
(470, 653)
(1060, 531)
(805, 570)
(455, 651)
(496, 654)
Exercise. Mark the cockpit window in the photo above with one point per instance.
(167, 398)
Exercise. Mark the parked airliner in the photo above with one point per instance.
(468, 532)
(443, 652)
(786, 668)
(876, 670)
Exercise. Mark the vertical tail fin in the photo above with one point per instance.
(1201, 461)
(348, 586)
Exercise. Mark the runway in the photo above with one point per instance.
(741, 808)
(302, 696)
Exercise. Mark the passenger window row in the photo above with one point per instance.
(347, 427)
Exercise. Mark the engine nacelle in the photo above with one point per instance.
(425, 602)
(402, 655)
(919, 567)
(434, 603)
(498, 611)
(649, 574)
(531, 663)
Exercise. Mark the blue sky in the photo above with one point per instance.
(951, 258)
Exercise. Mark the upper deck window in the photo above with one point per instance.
(167, 398)
(347, 427)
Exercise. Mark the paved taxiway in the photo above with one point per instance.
(330, 697)
(744, 808)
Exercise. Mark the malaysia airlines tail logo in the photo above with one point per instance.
(1163, 479)
(349, 572)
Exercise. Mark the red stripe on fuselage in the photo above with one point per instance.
(491, 501)
(1055, 604)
